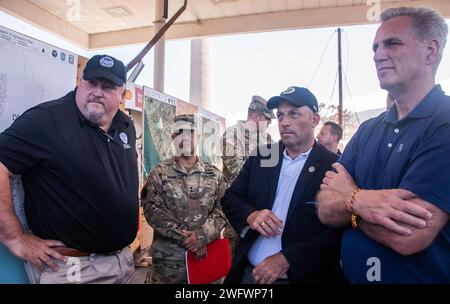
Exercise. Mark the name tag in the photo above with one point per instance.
(126, 146)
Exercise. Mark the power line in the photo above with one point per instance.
(346, 80)
(321, 58)
(334, 86)
(348, 51)
(351, 98)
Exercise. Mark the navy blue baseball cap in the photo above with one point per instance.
(105, 66)
(297, 96)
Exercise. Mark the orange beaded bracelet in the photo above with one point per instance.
(354, 215)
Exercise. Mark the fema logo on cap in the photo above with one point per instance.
(123, 137)
(288, 91)
(107, 62)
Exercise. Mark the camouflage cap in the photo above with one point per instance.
(259, 104)
(184, 122)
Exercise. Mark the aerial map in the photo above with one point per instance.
(211, 130)
(31, 72)
(159, 112)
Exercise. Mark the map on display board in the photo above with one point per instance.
(211, 131)
(159, 113)
(211, 128)
(31, 72)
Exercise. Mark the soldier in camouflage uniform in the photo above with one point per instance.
(239, 141)
(181, 201)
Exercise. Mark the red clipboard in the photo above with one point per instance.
(213, 266)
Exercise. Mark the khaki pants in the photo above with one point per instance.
(116, 268)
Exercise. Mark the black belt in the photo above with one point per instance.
(78, 253)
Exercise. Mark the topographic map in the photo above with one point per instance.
(31, 72)
(211, 130)
(159, 113)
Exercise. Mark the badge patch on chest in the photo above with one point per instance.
(124, 138)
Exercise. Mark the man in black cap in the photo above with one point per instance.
(77, 159)
(271, 204)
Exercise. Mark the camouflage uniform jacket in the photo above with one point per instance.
(237, 144)
(174, 200)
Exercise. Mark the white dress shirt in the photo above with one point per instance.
(289, 174)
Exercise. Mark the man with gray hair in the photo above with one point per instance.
(391, 187)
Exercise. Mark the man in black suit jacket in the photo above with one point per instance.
(271, 204)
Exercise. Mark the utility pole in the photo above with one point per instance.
(340, 108)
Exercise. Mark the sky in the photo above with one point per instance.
(262, 64)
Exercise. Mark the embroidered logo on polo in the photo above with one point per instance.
(107, 62)
(124, 138)
(288, 91)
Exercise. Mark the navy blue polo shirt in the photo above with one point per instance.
(81, 184)
(412, 154)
